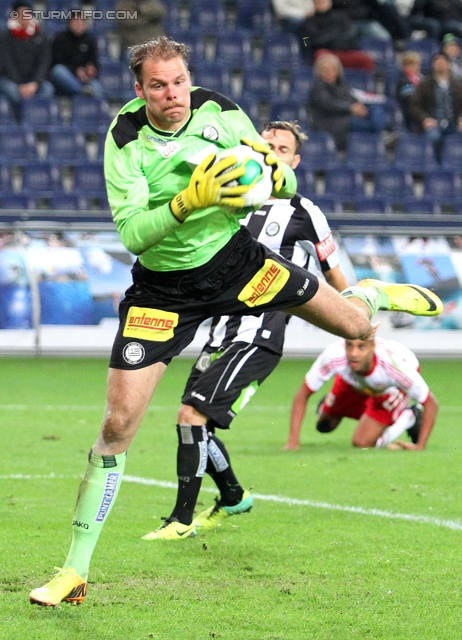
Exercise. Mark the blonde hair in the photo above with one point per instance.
(410, 57)
(162, 48)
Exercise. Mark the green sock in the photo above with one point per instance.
(97, 493)
(374, 297)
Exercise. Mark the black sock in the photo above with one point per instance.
(219, 468)
(191, 463)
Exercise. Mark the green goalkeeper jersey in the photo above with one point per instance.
(145, 168)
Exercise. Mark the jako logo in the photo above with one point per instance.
(77, 523)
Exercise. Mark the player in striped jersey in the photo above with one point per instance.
(242, 351)
(376, 382)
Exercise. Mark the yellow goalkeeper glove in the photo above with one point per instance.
(206, 187)
(271, 159)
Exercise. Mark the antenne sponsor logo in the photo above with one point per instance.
(150, 324)
(109, 493)
(326, 247)
(266, 283)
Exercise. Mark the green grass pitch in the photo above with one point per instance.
(304, 570)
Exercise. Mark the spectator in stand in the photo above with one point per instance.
(408, 80)
(25, 58)
(331, 30)
(437, 17)
(375, 19)
(292, 14)
(75, 59)
(333, 106)
(437, 103)
(148, 24)
(451, 48)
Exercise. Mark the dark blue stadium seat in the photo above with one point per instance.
(282, 51)
(442, 185)
(6, 114)
(17, 145)
(300, 82)
(255, 15)
(366, 152)
(5, 178)
(257, 83)
(420, 205)
(426, 48)
(250, 106)
(306, 181)
(115, 78)
(381, 51)
(393, 184)
(65, 145)
(319, 152)
(234, 50)
(359, 79)
(327, 204)
(289, 109)
(207, 17)
(89, 114)
(40, 179)
(89, 178)
(212, 76)
(16, 201)
(39, 113)
(195, 42)
(65, 201)
(371, 205)
(451, 157)
(345, 183)
(414, 152)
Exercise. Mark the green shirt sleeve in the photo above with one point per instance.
(289, 187)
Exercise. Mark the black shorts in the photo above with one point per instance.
(221, 384)
(161, 311)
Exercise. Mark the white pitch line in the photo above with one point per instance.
(439, 522)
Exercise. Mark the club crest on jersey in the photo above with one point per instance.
(133, 353)
(150, 324)
(210, 133)
(265, 284)
(272, 229)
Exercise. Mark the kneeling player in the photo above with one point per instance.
(378, 383)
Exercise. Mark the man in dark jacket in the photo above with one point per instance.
(437, 103)
(25, 58)
(75, 60)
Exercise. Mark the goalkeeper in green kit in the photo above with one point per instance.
(174, 209)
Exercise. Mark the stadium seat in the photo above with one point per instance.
(6, 114)
(451, 157)
(306, 181)
(300, 82)
(16, 201)
(282, 51)
(90, 114)
(344, 183)
(233, 50)
(212, 76)
(195, 42)
(17, 145)
(359, 79)
(319, 152)
(393, 184)
(260, 85)
(289, 110)
(420, 205)
(5, 178)
(426, 48)
(250, 106)
(442, 185)
(207, 17)
(414, 152)
(89, 179)
(115, 78)
(255, 15)
(366, 152)
(381, 51)
(371, 205)
(327, 204)
(65, 145)
(39, 113)
(65, 201)
(39, 179)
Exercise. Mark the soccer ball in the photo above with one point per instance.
(257, 174)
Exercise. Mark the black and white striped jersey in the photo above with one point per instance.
(297, 230)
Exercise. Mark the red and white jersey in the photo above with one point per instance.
(394, 366)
